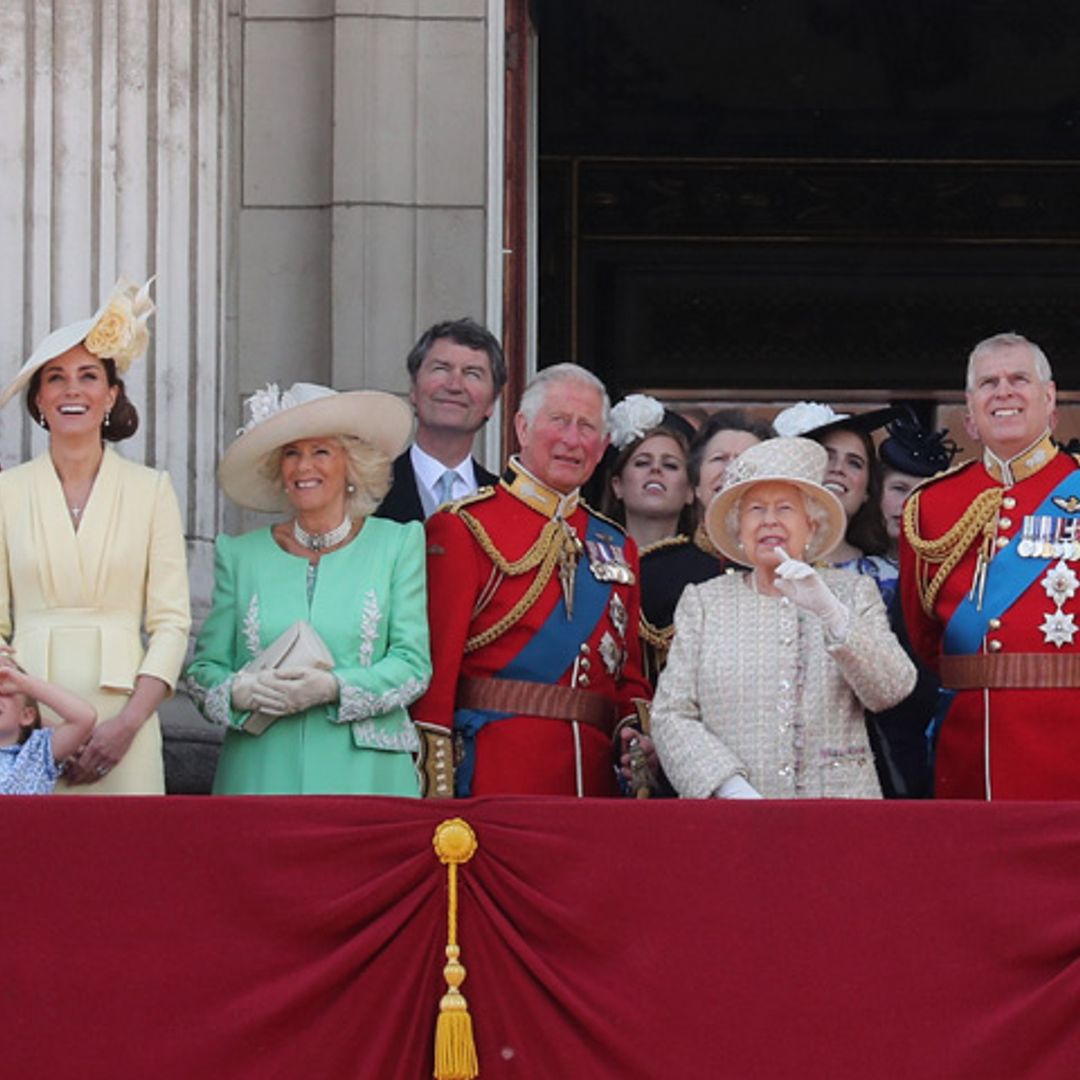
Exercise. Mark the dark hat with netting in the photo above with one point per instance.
(915, 449)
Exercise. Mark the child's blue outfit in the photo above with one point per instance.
(29, 768)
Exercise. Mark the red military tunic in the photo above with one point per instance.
(1017, 741)
(470, 603)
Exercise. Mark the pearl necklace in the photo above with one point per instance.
(321, 541)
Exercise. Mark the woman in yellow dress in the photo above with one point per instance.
(92, 550)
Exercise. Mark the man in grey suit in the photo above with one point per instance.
(457, 371)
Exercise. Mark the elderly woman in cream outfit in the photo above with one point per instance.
(92, 550)
(770, 670)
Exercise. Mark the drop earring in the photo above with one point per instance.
(108, 416)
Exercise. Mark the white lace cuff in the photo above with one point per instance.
(355, 705)
(215, 704)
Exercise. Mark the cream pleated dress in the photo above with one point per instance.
(93, 609)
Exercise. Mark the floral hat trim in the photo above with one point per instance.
(267, 401)
(120, 332)
(632, 417)
(806, 416)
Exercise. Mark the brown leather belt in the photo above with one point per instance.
(538, 699)
(1002, 671)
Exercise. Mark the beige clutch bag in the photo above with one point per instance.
(299, 646)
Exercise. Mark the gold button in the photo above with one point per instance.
(1005, 523)
(994, 646)
(583, 680)
(995, 624)
(1002, 541)
(1008, 502)
(584, 665)
(585, 649)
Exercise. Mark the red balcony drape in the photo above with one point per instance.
(234, 938)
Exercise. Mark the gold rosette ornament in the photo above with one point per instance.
(120, 333)
(455, 1049)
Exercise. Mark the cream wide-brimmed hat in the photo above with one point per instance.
(796, 461)
(306, 411)
(117, 331)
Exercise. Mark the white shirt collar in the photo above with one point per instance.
(429, 470)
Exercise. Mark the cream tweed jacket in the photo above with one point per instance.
(752, 687)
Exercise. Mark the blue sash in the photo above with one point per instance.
(1007, 578)
(548, 653)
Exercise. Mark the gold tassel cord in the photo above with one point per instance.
(455, 1049)
(555, 547)
(947, 550)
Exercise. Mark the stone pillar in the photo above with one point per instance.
(366, 184)
(113, 161)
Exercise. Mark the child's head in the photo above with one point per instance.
(19, 716)
(31, 715)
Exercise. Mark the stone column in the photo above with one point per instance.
(366, 184)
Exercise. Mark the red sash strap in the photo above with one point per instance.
(1003, 671)
(515, 696)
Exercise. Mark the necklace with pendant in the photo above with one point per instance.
(321, 541)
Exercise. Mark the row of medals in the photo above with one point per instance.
(1047, 537)
(608, 563)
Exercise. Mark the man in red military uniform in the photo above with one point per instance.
(989, 583)
(534, 607)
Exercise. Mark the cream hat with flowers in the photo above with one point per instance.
(305, 411)
(800, 462)
(117, 331)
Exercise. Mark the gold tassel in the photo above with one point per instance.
(455, 1049)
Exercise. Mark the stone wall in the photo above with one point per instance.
(366, 178)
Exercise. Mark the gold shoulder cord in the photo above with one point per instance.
(545, 554)
(659, 639)
(662, 545)
(947, 550)
(655, 646)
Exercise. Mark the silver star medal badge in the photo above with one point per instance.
(1060, 584)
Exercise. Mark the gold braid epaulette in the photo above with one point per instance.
(947, 550)
(654, 635)
(543, 554)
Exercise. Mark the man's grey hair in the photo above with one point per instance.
(537, 390)
(1008, 341)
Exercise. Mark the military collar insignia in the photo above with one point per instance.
(535, 494)
(1027, 463)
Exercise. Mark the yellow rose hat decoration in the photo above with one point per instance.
(117, 331)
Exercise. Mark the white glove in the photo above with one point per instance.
(804, 586)
(737, 787)
(292, 690)
(249, 692)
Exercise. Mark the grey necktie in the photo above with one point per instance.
(445, 488)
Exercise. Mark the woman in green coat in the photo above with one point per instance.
(331, 717)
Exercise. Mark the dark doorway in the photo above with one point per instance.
(805, 195)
